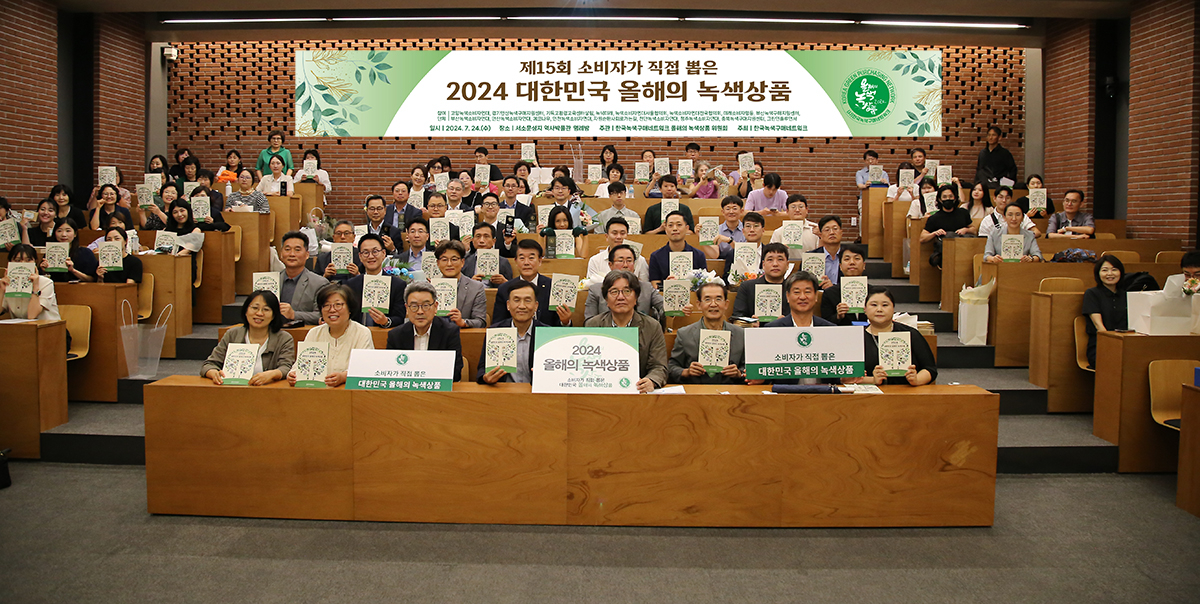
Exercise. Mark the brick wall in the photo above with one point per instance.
(1070, 84)
(1164, 118)
(119, 127)
(228, 95)
(28, 100)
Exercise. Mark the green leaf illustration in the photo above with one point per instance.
(911, 115)
(357, 100)
(337, 121)
(321, 87)
(931, 65)
(329, 112)
(378, 57)
(358, 76)
(341, 132)
(913, 128)
(901, 55)
(920, 106)
(897, 67)
(316, 122)
(300, 91)
(384, 78)
(329, 98)
(354, 118)
(364, 107)
(383, 66)
(372, 78)
(307, 103)
(371, 55)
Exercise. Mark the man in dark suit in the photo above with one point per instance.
(424, 330)
(522, 307)
(529, 262)
(853, 262)
(373, 253)
(343, 232)
(417, 234)
(801, 289)
(484, 238)
(400, 213)
(774, 264)
(297, 285)
(521, 211)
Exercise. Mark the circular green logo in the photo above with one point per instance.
(868, 95)
(804, 339)
(624, 382)
(402, 359)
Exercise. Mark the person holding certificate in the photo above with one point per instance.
(262, 325)
(697, 353)
(81, 262)
(529, 266)
(424, 330)
(372, 252)
(298, 286)
(774, 270)
(470, 308)
(660, 261)
(621, 258)
(560, 220)
(993, 253)
(620, 289)
(484, 238)
(339, 331)
(270, 183)
(343, 232)
(131, 266)
(853, 262)
(522, 307)
(904, 359)
(41, 305)
(246, 198)
(800, 289)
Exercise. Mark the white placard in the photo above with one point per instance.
(265, 281)
(814, 264)
(931, 166)
(166, 242)
(641, 172)
(441, 181)
(783, 353)
(586, 360)
(431, 370)
(201, 210)
(447, 295)
(636, 245)
(110, 255)
(713, 350)
(930, 201)
(875, 173)
(529, 152)
(564, 291)
(680, 264)
(310, 167)
(500, 349)
(792, 233)
(945, 175)
(686, 170)
(439, 229)
(746, 165)
(1012, 247)
(19, 283)
(662, 165)
(429, 267)
(668, 206)
(854, 293)
(594, 173)
(341, 256)
(768, 301)
(635, 225)
(239, 364)
(895, 352)
(56, 256)
(145, 196)
(416, 198)
(543, 213)
(906, 178)
(1037, 199)
(483, 174)
(709, 227)
(677, 293)
(377, 293)
(106, 175)
(188, 187)
(312, 364)
(154, 180)
(487, 263)
(564, 243)
(9, 231)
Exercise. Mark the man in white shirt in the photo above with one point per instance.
(617, 229)
(797, 209)
(454, 195)
(616, 194)
(995, 220)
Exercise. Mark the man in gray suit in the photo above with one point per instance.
(471, 306)
(649, 300)
(297, 285)
(684, 366)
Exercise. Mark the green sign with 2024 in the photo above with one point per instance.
(524, 94)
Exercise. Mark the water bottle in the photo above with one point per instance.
(228, 190)
(135, 245)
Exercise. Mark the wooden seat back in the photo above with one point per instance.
(1167, 257)
(1061, 284)
(1106, 236)
(1167, 377)
(145, 296)
(1081, 341)
(1125, 256)
(198, 277)
(79, 324)
(237, 241)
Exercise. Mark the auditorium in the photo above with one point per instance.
(600, 301)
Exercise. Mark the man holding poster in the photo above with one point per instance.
(800, 289)
(620, 290)
(424, 330)
(522, 307)
(712, 351)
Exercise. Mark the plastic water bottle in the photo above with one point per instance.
(135, 245)
(228, 190)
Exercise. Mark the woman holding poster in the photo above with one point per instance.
(339, 331)
(893, 353)
(262, 326)
(41, 304)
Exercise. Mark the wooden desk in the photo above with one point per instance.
(217, 279)
(920, 272)
(1008, 313)
(872, 222)
(286, 213)
(1052, 363)
(492, 454)
(312, 195)
(958, 256)
(172, 285)
(94, 377)
(896, 215)
(1187, 494)
(35, 386)
(1122, 403)
(256, 254)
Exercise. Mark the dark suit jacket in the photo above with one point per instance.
(830, 299)
(411, 213)
(443, 335)
(469, 268)
(323, 261)
(743, 304)
(395, 307)
(483, 352)
(544, 314)
(786, 321)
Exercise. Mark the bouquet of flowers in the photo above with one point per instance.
(395, 268)
(699, 277)
(322, 224)
(736, 277)
(1191, 286)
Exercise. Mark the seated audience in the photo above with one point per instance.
(529, 263)
(1071, 223)
(81, 262)
(620, 290)
(830, 229)
(216, 199)
(157, 165)
(654, 222)
(522, 307)
(370, 249)
(774, 268)
(298, 286)
(42, 230)
(916, 208)
(417, 235)
(617, 195)
(470, 309)
(262, 325)
(246, 198)
(1104, 306)
(343, 232)
(1029, 249)
(853, 261)
(704, 185)
(42, 305)
(1034, 181)
(6, 213)
(131, 265)
(400, 212)
(800, 289)
(124, 197)
(770, 199)
(262, 166)
(731, 230)
(182, 224)
(343, 335)
(270, 182)
(616, 229)
(67, 207)
(951, 220)
(321, 176)
(650, 300)
(660, 260)
(233, 165)
(797, 209)
(106, 205)
(995, 220)
(684, 366)
(484, 238)
(424, 330)
(979, 202)
(154, 215)
(560, 220)
(881, 306)
(995, 162)
(435, 206)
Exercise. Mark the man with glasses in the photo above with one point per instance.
(400, 212)
(454, 196)
(370, 248)
(508, 199)
(471, 305)
(298, 286)
(562, 192)
(376, 211)
(830, 228)
(417, 235)
(774, 269)
(684, 366)
(484, 238)
(620, 290)
(522, 305)
(615, 230)
(424, 330)
(621, 258)
(436, 204)
(343, 232)
(529, 263)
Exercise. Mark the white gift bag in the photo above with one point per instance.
(973, 314)
(1162, 313)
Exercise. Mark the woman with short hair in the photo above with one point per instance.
(336, 303)
(131, 265)
(880, 308)
(262, 324)
(1104, 306)
(246, 198)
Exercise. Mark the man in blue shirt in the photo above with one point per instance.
(830, 228)
(660, 261)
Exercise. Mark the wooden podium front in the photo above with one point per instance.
(35, 388)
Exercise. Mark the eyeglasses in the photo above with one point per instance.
(370, 252)
(421, 306)
(490, 204)
(621, 293)
(334, 306)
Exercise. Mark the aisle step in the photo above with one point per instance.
(1052, 444)
(953, 354)
(231, 313)
(198, 344)
(928, 311)
(903, 291)
(878, 269)
(129, 390)
(98, 433)
(1017, 395)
